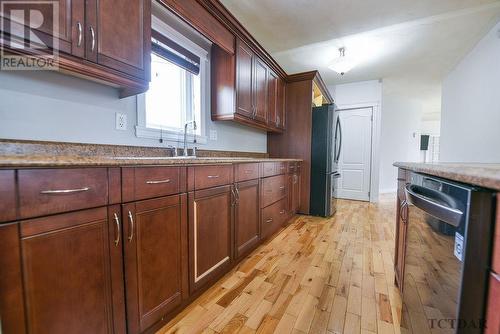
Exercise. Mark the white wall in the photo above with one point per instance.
(400, 137)
(50, 106)
(470, 124)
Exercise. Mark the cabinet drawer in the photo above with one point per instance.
(245, 172)
(273, 189)
(273, 168)
(292, 167)
(7, 195)
(49, 191)
(273, 218)
(212, 176)
(148, 182)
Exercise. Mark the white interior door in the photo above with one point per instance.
(355, 156)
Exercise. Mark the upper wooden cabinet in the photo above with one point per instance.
(258, 91)
(123, 35)
(106, 41)
(244, 80)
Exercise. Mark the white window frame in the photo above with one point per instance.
(141, 130)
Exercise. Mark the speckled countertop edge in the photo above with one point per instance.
(84, 161)
(478, 174)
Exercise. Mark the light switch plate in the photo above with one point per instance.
(121, 121)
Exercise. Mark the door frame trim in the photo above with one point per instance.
(375, 149)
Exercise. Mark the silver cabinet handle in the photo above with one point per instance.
(282, 212)
(496, 276)
(282, 188)
(269, 221)
(92, 33)
(237, 193)
(213, 176)
(117, 222)
(65, 191)
(158, 182)
(131, 221)
(233, 197)
(80, 33)
(401, 210)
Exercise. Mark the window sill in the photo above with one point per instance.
(171, 136)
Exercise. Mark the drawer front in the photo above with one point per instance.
(149, 182)
(292, 167)
(268, 169)
(212, 176)
(245, 172)
(273, 189)
(273, 218)
(49, 191)
(7, 195)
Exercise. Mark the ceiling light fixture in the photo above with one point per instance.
(342, 65)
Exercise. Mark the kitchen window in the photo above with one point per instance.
(178, 90)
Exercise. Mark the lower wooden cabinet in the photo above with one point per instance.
(69, 279)
(155, 245)
(401, 228)
(273, 217)
(247, 217)
(493, 306)
(11, 287)
(210, 234)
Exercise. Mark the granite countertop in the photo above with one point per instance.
(478, 174)
(75, 160)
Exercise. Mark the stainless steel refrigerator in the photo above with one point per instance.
(326, 146)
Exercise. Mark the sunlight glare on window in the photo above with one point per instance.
(164, 100)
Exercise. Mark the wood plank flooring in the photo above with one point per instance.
(317, 276)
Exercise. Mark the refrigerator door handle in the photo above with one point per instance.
(338, 135)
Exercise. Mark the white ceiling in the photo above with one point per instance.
(412, 40)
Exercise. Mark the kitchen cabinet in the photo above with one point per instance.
(155, 246)
(11, 286)
(294, 188)
(493, 305)
(8, 202)
(401, 227)
(273, 218)
(247, 217)
(69, 280)
(123, 35)
(210, 234)
(244, 80)
(105, 41)
(260, 90)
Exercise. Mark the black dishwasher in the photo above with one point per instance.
(448, 248)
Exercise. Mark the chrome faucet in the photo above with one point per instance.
(185, 136)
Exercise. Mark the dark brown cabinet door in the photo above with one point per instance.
(247, 222)
(210, 234)
(11, 287)
(272, 99)
(280, 105)
(260, 91)
(244, 80)
(155, 243)
(69, 281)
(296, 192)
(120, 36)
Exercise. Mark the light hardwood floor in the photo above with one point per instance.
(316, 276)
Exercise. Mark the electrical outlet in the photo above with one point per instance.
(121, 121)
(213, 134)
